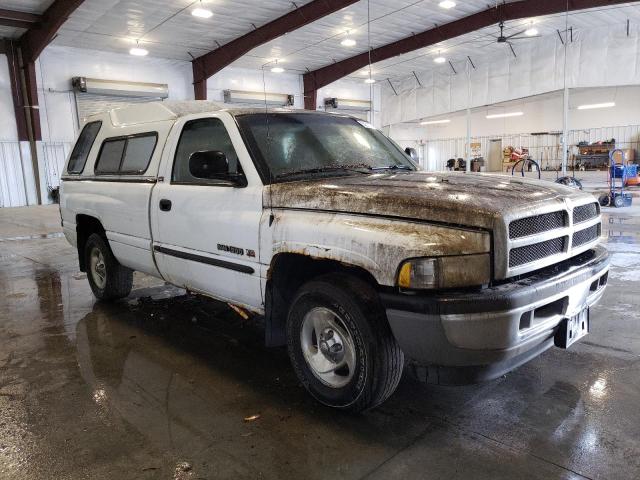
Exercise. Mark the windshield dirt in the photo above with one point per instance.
(304, 144)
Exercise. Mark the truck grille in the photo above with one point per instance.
(524, 227)
(587, 235)
(531, 253)
(585, 212)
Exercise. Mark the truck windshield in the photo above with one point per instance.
(293, 145)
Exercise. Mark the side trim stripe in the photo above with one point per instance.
(208, 260)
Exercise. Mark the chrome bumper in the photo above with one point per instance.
(492, 331)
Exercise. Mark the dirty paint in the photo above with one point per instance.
(374, 244)
(454, 200)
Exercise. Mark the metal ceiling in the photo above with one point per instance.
(167, 29)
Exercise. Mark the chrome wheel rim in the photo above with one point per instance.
(98, 268)
(328, 347)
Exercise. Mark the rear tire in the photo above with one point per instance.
(108, 279)
(340, 343)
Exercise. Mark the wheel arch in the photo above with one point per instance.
(287, 272)
(86, 225)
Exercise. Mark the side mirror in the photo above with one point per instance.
(209, 164)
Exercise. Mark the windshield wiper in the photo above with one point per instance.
(392, 167)
(334, 168)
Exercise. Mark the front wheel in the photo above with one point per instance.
(340, 343)
(108, 279)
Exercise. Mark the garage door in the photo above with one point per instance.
(91, 103)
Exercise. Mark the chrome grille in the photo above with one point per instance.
(585, 212)
(587, 235)
(523, 227)
(531, 253)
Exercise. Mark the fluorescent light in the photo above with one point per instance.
(531, 32)
(369, 80)
(504, 115)
(597, 105)
(447, 4)
(434, 122)
(138, 52)
(439, 59)
(348, 42)
(201, 13)
(277, 69)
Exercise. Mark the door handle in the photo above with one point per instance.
(165, 205)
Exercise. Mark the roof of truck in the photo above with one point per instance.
(172, 110)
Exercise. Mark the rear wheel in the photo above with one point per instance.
(108, 279)
(340, 344)
(618, 201)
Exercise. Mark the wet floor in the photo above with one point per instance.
(164, 385)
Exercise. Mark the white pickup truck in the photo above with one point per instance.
(318, 222)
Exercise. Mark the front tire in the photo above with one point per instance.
(340, 343)
(108, 279)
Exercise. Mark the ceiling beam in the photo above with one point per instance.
(214, 61)
(321, 77)
(11, 18)
(35, 40)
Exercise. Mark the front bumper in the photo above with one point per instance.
(466, 337)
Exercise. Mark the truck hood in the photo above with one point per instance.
(465, 199)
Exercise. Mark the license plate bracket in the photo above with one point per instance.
(572, 329)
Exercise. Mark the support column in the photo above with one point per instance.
(468, 149)
(565, 130)
(310, 92)
(16, 90)
(24, 89)
(199, 80)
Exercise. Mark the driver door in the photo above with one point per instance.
(205, 231)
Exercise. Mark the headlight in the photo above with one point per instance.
(445, 272)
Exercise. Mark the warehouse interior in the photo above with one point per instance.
(167, 384)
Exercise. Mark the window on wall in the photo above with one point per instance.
(82, 147)
(126, 155)
(203, 134)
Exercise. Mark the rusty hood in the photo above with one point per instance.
(472, 200)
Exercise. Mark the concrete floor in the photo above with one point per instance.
(159, 385)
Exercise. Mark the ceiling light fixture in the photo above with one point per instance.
(440, 59)
(369, 80)
(597, 105)
(531, 32)
(137, 51)
(434, 122)
(447, 4)
(505, 115)
(348, 42)
(201, 12)
(276, 68)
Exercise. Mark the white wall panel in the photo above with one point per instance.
(603, 56)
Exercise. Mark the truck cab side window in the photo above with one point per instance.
(204, 134)
(82, 147)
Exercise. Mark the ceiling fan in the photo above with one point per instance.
(502, 38)
(507, 39)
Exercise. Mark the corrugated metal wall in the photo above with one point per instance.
(545, 149)
(13, 184)
(13, 192)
